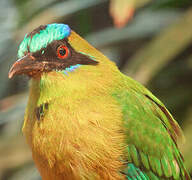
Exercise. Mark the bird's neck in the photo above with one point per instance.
(83, 81)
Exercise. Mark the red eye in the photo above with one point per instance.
(62, 52)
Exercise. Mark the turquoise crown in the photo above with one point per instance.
(42, 38)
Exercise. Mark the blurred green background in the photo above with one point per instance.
(150, 40)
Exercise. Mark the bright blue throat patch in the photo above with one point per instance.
(44, 37)
(70, 69)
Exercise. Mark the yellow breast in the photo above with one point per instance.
(79, 135)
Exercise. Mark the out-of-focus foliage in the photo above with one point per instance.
(121, 11)
(153, 45)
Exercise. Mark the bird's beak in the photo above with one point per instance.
(27, 65)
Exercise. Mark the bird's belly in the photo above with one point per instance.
(80, 142)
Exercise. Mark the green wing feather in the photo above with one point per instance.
(151, 135)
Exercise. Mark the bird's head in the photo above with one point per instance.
(52, 47)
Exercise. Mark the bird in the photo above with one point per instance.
(85, 120)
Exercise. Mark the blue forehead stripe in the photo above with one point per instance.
(43, 38)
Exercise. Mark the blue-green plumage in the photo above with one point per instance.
(152, 151)
(45, 36)
(134, 173)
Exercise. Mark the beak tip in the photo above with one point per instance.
(10, 76)
(11, 73)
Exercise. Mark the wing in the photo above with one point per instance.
(151, 136)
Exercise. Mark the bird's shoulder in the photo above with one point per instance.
(137, 100)
(152, 134)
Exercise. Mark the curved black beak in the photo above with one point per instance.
(26, 65)
(34, 66)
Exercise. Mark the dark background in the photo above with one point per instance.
(150, 40)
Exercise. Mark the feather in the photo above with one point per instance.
(88, 126)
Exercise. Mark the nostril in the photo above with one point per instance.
(32, 57)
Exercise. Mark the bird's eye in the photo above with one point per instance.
(62, 52)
